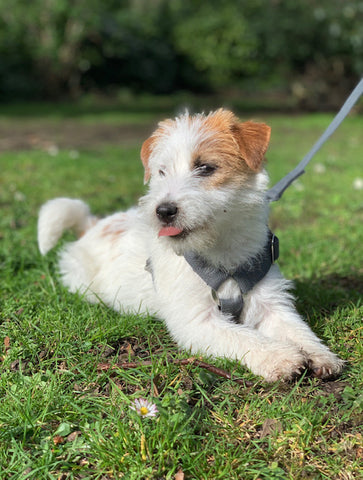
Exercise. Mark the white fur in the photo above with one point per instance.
(228, 226)
(59, 215)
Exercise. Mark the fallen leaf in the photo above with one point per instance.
(130, 350)
(179, 475)
(57, 440)
(155, 389)
(359, 453)
(6, 343)
(14, 366)
(269, 427)
(72, 436)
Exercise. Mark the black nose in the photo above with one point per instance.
(167, 211)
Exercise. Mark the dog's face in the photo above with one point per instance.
(202, 171)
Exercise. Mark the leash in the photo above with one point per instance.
(277, 190)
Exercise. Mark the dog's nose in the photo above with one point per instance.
(167, 212)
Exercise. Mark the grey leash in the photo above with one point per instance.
(277, 190)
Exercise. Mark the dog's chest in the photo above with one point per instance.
(178, 286)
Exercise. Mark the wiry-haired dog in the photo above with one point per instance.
(197, 252)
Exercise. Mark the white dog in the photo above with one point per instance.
(197, 252)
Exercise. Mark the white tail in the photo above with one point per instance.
(59, 215)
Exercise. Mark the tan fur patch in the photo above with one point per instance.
(253, 139)
(146, 150)
(110, 230)
(236, 149)
(116, 227)
(148, 145)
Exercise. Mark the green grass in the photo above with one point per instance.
(63, 418)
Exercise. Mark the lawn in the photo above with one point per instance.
(64, 414)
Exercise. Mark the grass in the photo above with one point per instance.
(62, 417)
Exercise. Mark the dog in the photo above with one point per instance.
(189, 249)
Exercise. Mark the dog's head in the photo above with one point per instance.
(203, 170)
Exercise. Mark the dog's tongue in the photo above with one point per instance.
(169, 231)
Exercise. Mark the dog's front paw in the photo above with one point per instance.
(325, 364)
(285, 362)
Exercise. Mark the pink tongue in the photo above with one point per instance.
(169, 231)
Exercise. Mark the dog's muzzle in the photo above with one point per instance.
(167, 212)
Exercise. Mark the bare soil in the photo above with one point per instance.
(68, 134)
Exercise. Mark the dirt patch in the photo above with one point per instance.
(69, 134)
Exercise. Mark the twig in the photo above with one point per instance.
(176, 361)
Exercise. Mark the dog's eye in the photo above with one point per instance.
(162, 173)
(205, 169)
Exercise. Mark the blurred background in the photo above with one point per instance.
(278, 54)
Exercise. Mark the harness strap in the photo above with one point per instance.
(246, 275)
(277, 190)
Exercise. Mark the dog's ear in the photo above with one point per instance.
(253, 139)
(145, 154)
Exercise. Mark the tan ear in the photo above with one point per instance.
(146, 150)
(253, 139)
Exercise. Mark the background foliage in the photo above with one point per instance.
(52, 48)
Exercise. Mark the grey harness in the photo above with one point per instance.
(246, 275)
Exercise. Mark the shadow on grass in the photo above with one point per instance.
(320, 297)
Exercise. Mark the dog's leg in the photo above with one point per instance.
(271, 359)
(271, 311)
(286, 325)
(210, 333)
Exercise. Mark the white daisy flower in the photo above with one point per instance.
(144, 407)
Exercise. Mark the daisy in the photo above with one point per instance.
(144, 408)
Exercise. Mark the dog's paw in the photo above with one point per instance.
(325, 364)
(286, 362)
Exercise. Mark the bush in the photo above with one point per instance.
(64, 47)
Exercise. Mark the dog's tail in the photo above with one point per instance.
(59, 215)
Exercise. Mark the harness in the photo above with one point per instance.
(247, 276)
